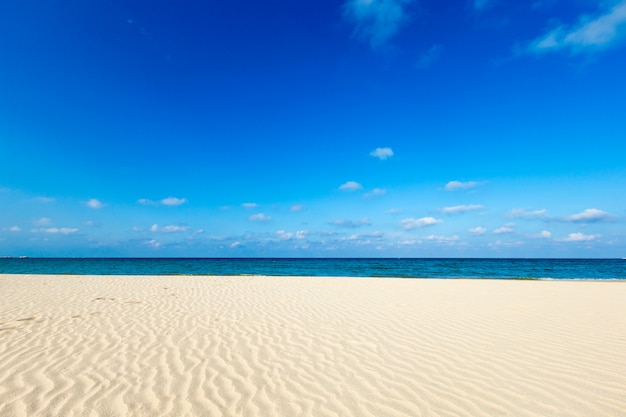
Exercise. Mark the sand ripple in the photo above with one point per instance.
(262, 346)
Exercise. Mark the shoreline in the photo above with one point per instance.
(478, 278)
(190, 345)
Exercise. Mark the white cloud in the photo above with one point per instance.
(382, 153)
(544, 234)
(350, 186)
(44, 221)
(299, 235)
(94, 204)
(168, 201)
(393, 211)
(411, 223)
(461, 209)
(297, 207)
(235, 245)
(478, 231)
(409, 242)
(580, 237)
(249, 205)
(507, 228)
(302, 234)
(168, 229)
(375, 192)
(15, 229)
(591, 215)
(57, 230)
(458, 185)
(352, 224)
(520, 213)
(44, 199)
(376, 21)
(260, 217)
(590, 34)
(442, 239)
(146, 202)
(154, 243)
(173, 229)
(282, 235)
(173, 201)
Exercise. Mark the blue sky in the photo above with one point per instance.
(391, 128)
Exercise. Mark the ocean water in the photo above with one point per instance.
(571, 269)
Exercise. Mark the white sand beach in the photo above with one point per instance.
(302, 346)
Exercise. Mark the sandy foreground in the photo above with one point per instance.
(298, 346)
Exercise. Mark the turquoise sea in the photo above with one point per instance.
(569, 269)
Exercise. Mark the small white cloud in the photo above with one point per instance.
(458, 185)
(44, 221)
(173, 201)
(409, 242)
(235, 245)
(44, 200)
(375, 193)
(478, 231)
(590, 34)
(57, 230)
(580, 237)
(442, 239)
(297, 207)
(168, 229)
(351, 224)
(249, 205)
(382, 153)
(507, 228)
(146, 202)
(94, 204)
(544, 234)
(173, 229)
(299, 235)
(137, 229)
(350, 186)
(377, 21)
(168, 201)
(282, 235)
(520, 213)
(15, 229)
(591, 215)
(154, 243)
(461, 209)
(411, 223)
(260, 217)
